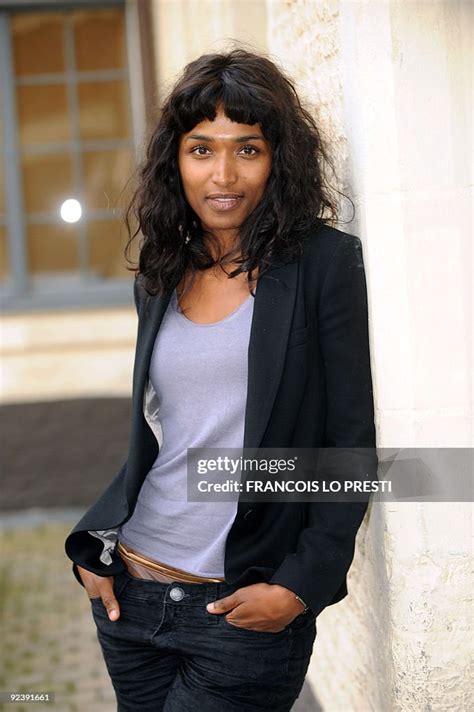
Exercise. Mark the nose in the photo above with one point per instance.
(224, 171)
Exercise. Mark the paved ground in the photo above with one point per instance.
(48, 638)
(48, 635)
(61, 453)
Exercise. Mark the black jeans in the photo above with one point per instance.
(166, 652)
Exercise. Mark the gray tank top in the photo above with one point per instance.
(199, 374)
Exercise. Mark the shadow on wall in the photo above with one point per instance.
(307, 701)
(62, 453)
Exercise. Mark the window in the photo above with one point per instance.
(68, 153)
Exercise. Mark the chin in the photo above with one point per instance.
(221, 224)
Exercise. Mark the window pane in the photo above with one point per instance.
(100, 40)
(42, 113)
(47, 181)
(2, 188)
(103, 110)
(107, 240)
(4, 261)
(4, 254)
(52, 248)
(106, 174)
(37, 43)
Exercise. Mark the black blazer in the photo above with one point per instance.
(309, 385)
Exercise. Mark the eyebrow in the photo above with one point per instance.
(239, 139)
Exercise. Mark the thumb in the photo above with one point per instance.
(222, 605)
(108, 599)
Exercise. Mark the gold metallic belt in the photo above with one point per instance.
(175, 574)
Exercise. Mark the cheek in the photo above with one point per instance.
(192, 176)
(187, 170)
(259, 185)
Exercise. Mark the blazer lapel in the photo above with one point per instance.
(151, 317)
(272, 317)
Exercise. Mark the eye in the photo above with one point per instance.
(198, 148)
(249, 150)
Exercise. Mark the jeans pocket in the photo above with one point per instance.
(258, 633)
(121, 581)
(302, 621)
(257, 655)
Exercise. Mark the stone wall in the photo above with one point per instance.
(389, 83)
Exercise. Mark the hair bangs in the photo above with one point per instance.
(241, 104)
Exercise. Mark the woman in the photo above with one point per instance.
(252, 332)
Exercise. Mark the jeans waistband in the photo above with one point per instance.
(139, 564)
(178, 592)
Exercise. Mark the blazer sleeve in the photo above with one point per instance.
(316, 572)
(107, 537)
(136, 295)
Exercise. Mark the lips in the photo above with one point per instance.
(224, 202)
(226, 196)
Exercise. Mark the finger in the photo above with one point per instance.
(110, 602)
(236, 624)
(221, 605)
(239, 619)
(257, 626)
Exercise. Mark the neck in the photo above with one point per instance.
(226, 240)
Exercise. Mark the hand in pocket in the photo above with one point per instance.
(101, 587)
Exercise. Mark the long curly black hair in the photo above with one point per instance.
(251, 89)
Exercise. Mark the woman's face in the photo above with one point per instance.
(224, 167)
